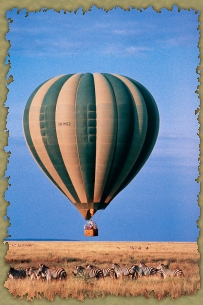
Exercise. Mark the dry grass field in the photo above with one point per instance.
(183, 256)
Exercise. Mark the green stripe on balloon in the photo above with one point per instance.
(151, 135)
(125, 119)
(29, 139)
(86, 132)
(48, 132)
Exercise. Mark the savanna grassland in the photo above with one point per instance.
(183, 256)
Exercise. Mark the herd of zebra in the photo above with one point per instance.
(115, 271)
(43, 272)
(90, 271)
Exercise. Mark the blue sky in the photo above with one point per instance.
(159, 50)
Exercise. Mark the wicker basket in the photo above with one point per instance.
(91, 232)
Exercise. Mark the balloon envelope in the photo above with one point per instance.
(91, 134)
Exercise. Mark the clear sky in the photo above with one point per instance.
(159, 50)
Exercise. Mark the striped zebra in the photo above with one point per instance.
(50, 274)
(145, 270)
(16, 273)
(33, 273)
(109, 272)
(79, 271)
(169, 272)
(105, 271)
(88, 273)
(125, 271)
(93, 271)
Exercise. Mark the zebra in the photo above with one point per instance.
(16, 273)
(169, 272)
(105, 271)
(79, 271)
(93, 271)
(34, 273)
(109, 272)
(126, 271)
(50, 274)
(88, 272)
(144, 270)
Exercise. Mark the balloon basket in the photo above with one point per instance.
(91, 229)
(91, 232)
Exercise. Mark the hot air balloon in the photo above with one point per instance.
(91, 134)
